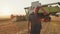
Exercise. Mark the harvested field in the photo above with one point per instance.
(52, 27)
(8, 27)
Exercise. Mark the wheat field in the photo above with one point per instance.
(9, 27)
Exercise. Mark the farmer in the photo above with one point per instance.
(34, 22)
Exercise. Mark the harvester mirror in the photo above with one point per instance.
(59, 3)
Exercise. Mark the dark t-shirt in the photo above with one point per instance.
(34, 19)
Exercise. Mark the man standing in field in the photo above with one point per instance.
(35, 20)
(35, 23)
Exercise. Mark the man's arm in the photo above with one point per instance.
(29, 26)
(44, 11)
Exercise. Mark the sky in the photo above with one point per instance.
(8, 7)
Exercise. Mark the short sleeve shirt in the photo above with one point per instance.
(34, 19)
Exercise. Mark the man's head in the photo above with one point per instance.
(36, 9)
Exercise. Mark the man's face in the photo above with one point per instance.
(36, 10)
